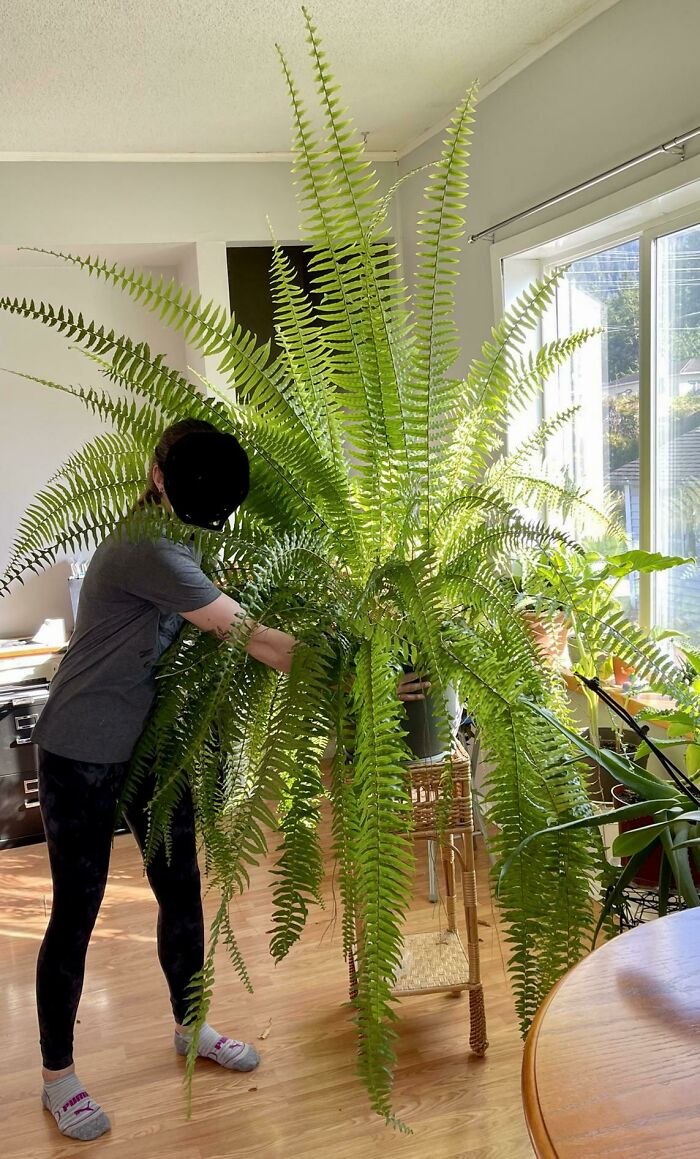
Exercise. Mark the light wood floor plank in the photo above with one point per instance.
(304, 1101)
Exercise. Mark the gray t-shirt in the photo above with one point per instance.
(127, 616)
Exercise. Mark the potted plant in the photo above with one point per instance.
(380, 529)
(546, 621)
(580, 587)
(658, 819)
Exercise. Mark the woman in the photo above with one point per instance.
(136, 594)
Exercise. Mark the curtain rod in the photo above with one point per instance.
(675, 146)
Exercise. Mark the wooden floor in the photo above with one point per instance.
(305, 1099)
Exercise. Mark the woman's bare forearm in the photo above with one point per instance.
(271, 647)
(225, 618)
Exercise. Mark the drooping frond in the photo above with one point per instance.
(383, 859)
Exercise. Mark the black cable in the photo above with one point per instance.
(680, 779)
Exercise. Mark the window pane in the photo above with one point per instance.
(677, 510)
(599, 450)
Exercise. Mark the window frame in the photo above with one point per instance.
(645, 211)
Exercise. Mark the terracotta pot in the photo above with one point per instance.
(621, 671)
(550, 637)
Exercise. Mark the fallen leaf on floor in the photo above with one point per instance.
(266, 1031)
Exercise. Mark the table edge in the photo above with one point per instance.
(532, 1109)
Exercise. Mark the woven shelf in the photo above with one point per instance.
(437, 962)
(441, 796)
(432, 963)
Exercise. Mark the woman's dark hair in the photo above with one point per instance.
(171, 435)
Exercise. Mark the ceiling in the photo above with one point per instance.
(174, 77)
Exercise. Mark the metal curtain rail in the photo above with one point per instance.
(676, 146)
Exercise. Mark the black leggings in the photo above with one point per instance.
(78, 807)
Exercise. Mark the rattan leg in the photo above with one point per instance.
(477, 1022)
(448, 861)
(477, 1034)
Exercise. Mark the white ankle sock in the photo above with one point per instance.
(76, 1114)
(228, 1052)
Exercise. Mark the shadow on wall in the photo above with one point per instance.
(24, 609)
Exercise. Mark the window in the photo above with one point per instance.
(599, 449)
(635, 439)
(676, 304)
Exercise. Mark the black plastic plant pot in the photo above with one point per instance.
(423, 724)
(601, 783)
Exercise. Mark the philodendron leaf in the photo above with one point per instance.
(693, 659)
(692, 759)
(642, 561)
(677, 730)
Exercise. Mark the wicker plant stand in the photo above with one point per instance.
(438, 962)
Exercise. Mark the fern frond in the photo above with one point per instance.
(499, 385)
(384, 862)
(144, 422)
(531, 447)
(439, 230)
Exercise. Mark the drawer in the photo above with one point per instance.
(20, 815)
(16, 759)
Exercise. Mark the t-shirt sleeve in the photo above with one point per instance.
(166, 574)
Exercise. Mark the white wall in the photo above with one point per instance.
(95, 204)
(40, 427)
(195, 209)
(192, 210)
(619, 86)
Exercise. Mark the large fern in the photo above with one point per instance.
(381, 527)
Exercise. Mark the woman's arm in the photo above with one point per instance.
(225, 616)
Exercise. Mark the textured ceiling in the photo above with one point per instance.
(168, 76)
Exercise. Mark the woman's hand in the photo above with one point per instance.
(412, 687)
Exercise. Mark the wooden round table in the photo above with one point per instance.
(612, 1062)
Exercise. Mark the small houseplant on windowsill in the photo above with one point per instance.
(546, 622)
(583, 587)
